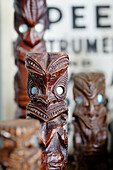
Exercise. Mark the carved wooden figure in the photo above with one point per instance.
(30, 22)
(90, 136)
(19, 146)
(46, 88)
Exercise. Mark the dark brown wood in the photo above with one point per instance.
(19, 144)
(30, 22)
(96, 162)
(89, 117)
(46, 88)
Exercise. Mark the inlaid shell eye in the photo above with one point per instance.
(79, 99)
(100, 98)
(60, 90)
(23, 28)
(39, 27)
(33, 90)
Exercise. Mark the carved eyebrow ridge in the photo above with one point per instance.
(55, 62)
(32, 64)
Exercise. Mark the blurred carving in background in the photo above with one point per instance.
(19, 144)
(30, 22)
(89, 117)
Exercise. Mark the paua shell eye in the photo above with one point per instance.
(23, 28)
(79, 99)
(39, 27)
(100, 98)
(33, 90)
(60, 90)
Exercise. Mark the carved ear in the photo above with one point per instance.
(34, 66)
(58, 64)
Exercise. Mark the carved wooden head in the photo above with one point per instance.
(89, 93)
(47, 84)
(90, 135)
(30, 20)
(19, 139)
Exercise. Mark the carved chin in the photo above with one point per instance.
(46, 113)
(56, 162)
(57, 165)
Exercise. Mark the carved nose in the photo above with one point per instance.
(91, 110)
(45, 100)
(30, 38)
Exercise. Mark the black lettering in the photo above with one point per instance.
(77, 51)
(74, 63)
(63, 45)
(91, 46)
(105, 44)
(76, 17)
(86, 63)
(101, 16)
(49, 10)
(51, 45)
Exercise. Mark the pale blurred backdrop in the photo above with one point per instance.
(8, 69)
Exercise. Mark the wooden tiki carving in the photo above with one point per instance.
(89, 116)
(46, 88)
(30, 22)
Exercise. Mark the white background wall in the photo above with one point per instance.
(7, 60)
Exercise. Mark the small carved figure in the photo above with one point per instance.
(89, 117)
(30, 22)
(46, 88)
(20, 80)
(19, 144)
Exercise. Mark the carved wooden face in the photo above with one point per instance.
(19, 140)
(89, 94)
(47, 84)
(30, 20)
